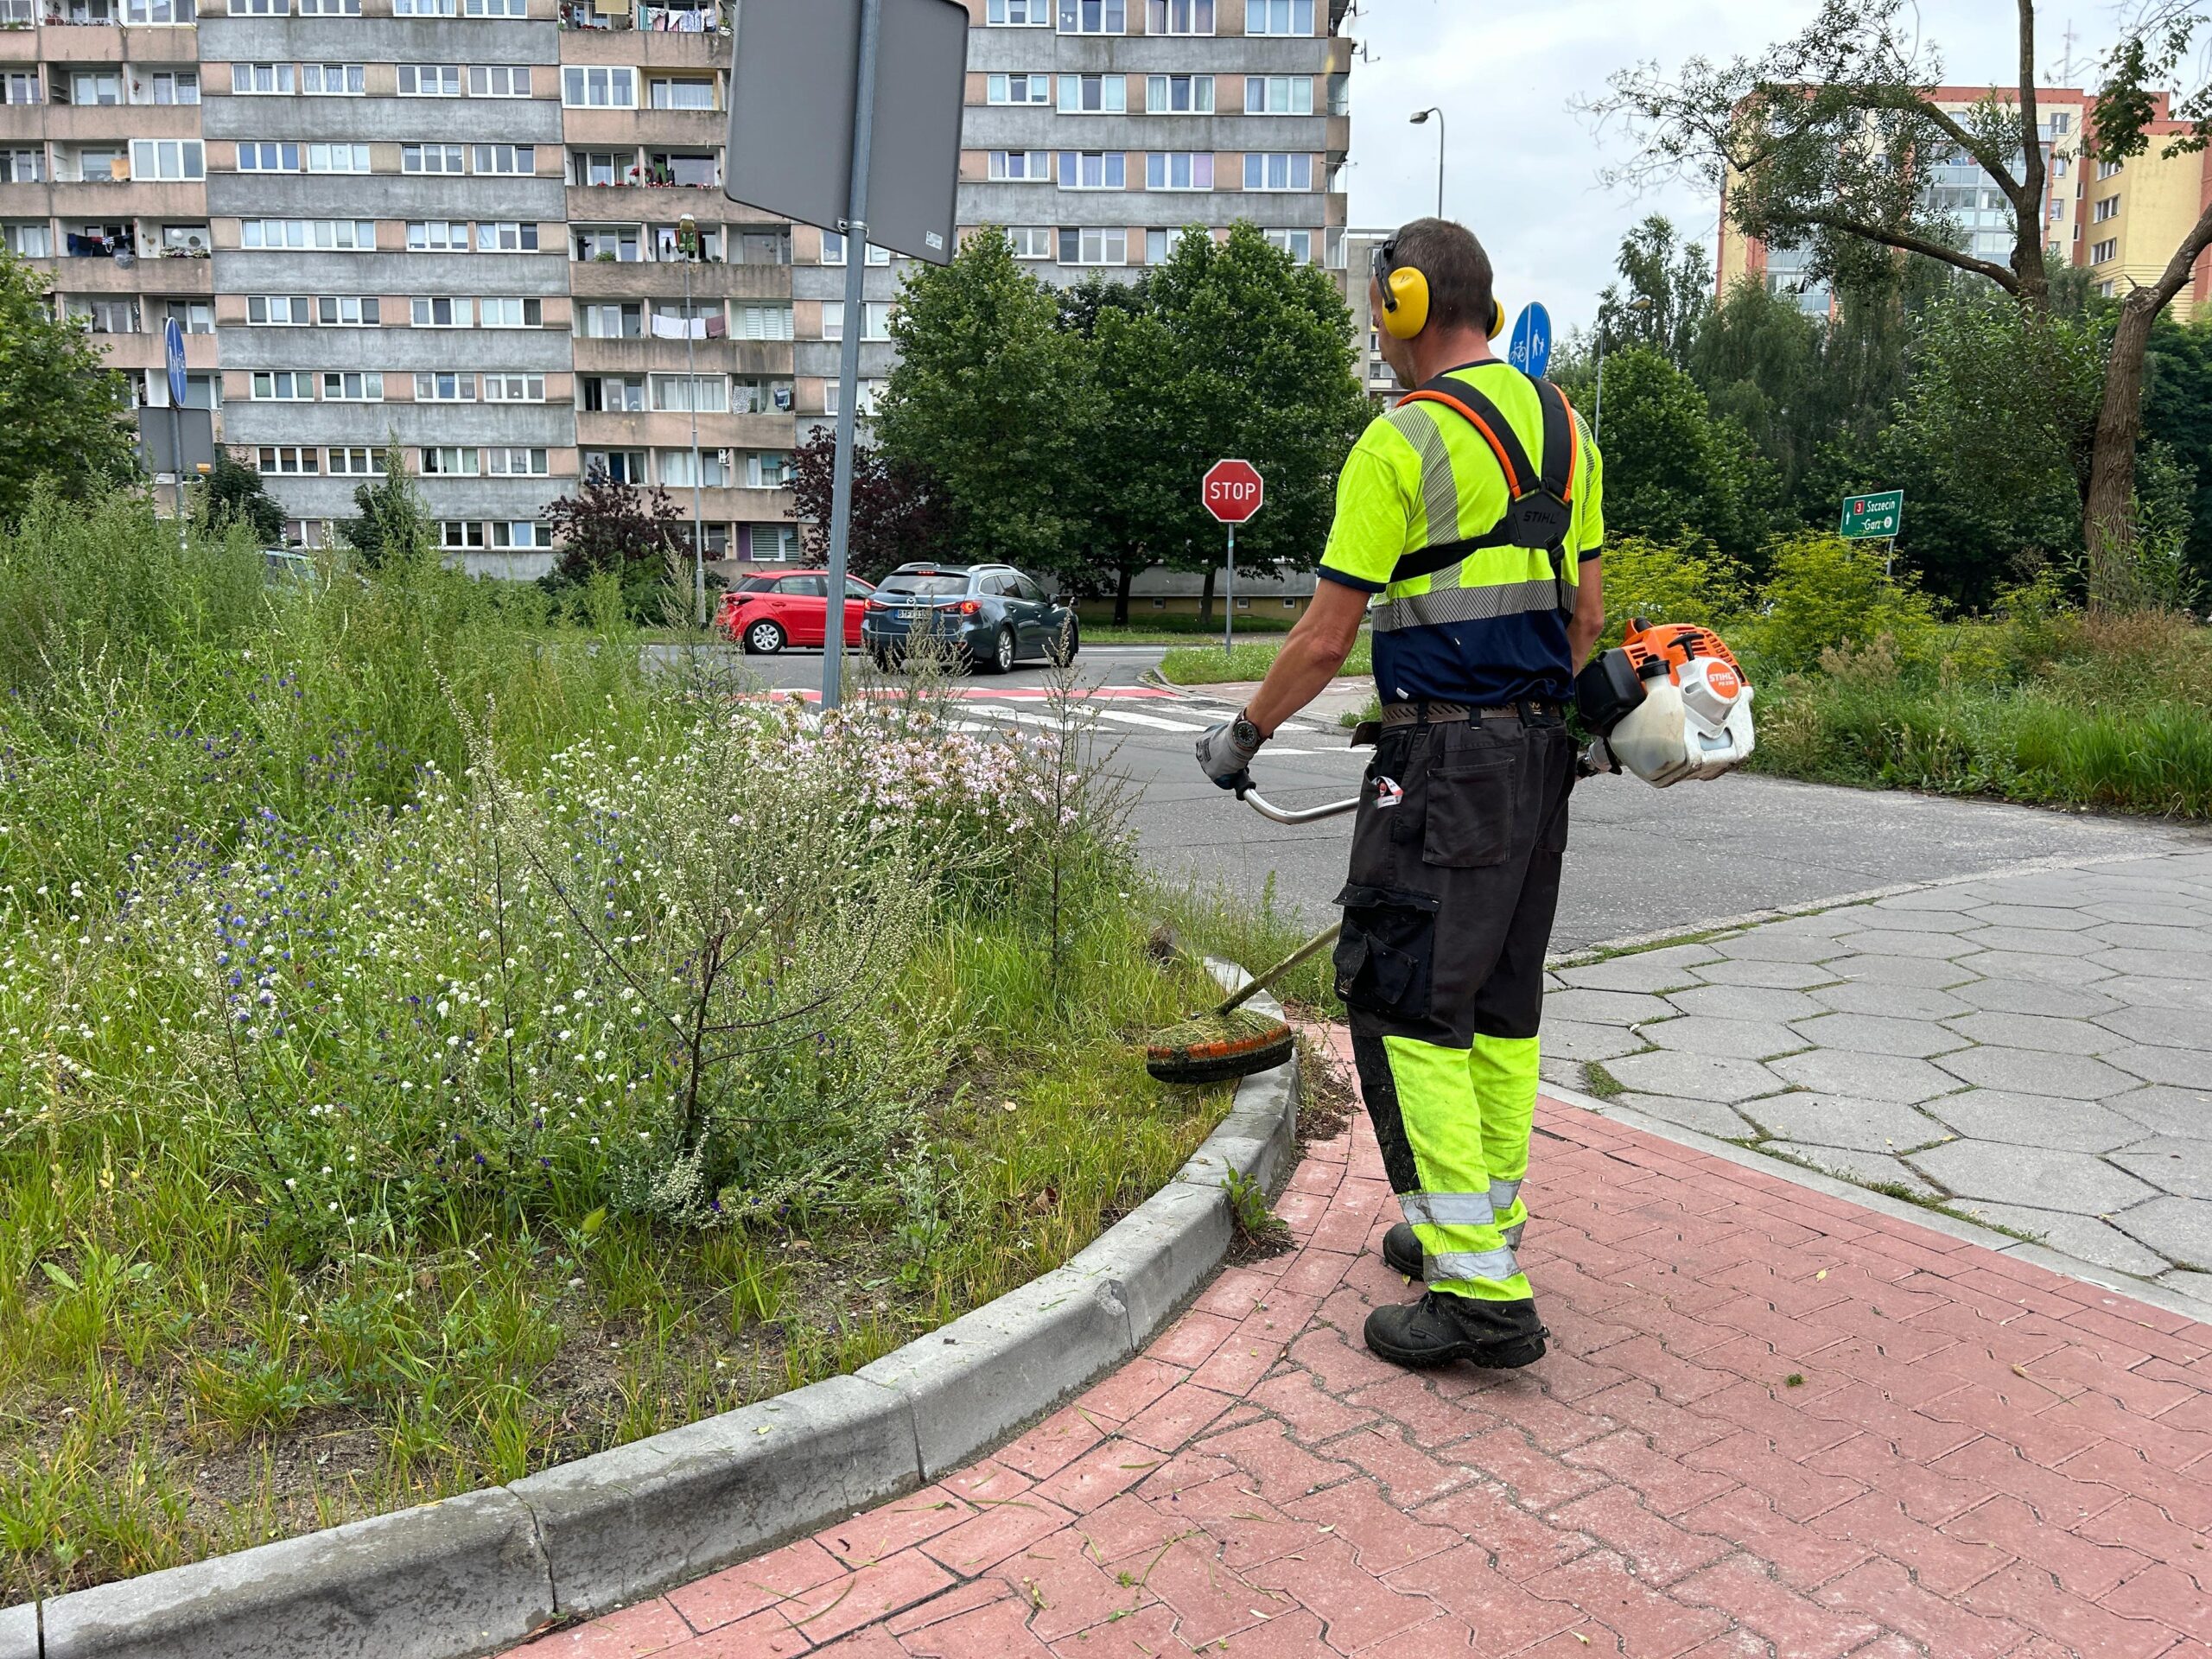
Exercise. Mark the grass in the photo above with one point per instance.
(1209, 665)
(361, 1141)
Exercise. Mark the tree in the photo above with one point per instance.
(394, 527)
(899, 511)
(621, 529)
(61, 407)
(237, 495)
(1670, 467)
(1824, 143)
(1670, 293)
(2177, 411)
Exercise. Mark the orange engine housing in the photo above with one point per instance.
(1672, 643)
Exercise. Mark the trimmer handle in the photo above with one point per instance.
(1248, 793)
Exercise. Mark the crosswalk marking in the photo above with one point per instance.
(1152, 721)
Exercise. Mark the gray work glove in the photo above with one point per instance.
(1225, 751)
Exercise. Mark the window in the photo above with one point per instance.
(766, 471)
(460, 535)
(502, 461)
(1278, 94)
(259, 79)
(445, 388)
(1032, 242)
(611, 322)
(761, 322)
(269, 158)
(1178, 171)
(160, 11)
(1092, 245)
(27, 240)
(169, 87)
(498, 80)
(1020, 164)
(1091, 170)
(876, 320)
(1018, 89)
(358, 463)
(833, 250)
(353, 387)
(422, 8)
(18, 86)
(750, 396)
(2106, 207)
(610, 88)
(1298, 245)
(713, 473)
(1019, 14)
(348, 235)
(506, 235)
(514, 388)
(492, 8)
(330, 8)
(2058, 166)
(2101, 252)
(833, 319)
(1092, 17)
(2107, 169)
(452, 463)
(107, 316)
(1094, 94)
(619, 466)
(1278, 16)
(349, 311)
(437, 236)
(22, 167)
(333, 79)
(283, 387)
(1155, 247)
(598, 166)
(618, 243)
(522, 533)
(1178, 17)
(430, 80)
(429, 158)
(428, 313)
(260, 7)
(504, 158)
(703, 392)
(1178, 94)
(682, 94)
(286, 458)
(509, 312)
(1277, 171)
(2105, 289)
(194, 316)
(278, 310)
(338, 158)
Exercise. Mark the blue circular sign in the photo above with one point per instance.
(1531, 349)
(173, 341)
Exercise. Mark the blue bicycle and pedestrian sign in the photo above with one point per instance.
(1530, 351)
(173, 341)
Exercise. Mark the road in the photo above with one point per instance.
(1639, 862)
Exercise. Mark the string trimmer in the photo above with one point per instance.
(1232, 1040)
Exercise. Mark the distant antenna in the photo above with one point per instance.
(2064, 72)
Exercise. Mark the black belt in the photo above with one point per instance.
(1429, 712)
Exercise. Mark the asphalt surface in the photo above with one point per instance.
(1640, 861)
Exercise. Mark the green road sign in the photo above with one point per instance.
(1875, 516)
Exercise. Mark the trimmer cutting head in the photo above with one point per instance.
(1209, 1047)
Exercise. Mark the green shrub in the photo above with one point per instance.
(1827, 594)
(1667, 582)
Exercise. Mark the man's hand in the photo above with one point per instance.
(1225, 751)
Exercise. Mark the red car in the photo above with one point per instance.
(766, 613)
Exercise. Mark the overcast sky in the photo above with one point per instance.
(1521, 168)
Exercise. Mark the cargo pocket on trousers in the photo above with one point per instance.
(1470, 812)
(1386, 952)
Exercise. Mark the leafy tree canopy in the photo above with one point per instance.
(236, 494)
(61, 407)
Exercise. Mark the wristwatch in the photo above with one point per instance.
(1247, 735)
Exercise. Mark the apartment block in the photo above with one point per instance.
(459, 226)
(1955, 185)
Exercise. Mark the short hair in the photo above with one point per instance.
(1460, 289)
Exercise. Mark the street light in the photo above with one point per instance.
(687, 240)
(1641, 303)
(1421, 118)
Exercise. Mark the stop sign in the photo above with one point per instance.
(1232, 490)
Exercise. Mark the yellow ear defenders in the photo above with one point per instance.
(1405, 296)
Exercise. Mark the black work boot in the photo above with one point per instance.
(1440, 1328)
(1401, 1251)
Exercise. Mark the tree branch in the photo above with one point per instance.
(2030, 138)
(1906, 242)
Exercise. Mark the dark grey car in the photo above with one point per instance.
(991, 616)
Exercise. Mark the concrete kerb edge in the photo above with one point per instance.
(1935, 1221)
(503, 1563)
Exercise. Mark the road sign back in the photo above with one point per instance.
(1233, 491)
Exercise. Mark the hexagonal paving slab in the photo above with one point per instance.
(2036, 1120)
(2178, 1164)
(2166, 1111)
(2035, 1031)
(1781, 976)
(1745, 1001)
(1643, 970)
(1867, 1168)
(1931, 972)
(2023, 964)
(2154, 964)
(1833, 1121)
(1605, 1008)
(2036, 996)
(1569, 1039)
(1887, 1002)
(2178, 1229)
(1889, 916)
(1779, 947)
(2065, 917)
(1694, 1076)
(1867, 1033)
(2083, 1236)
(2041, 1176)
(2182, 1068)
(1744, 1039)
(2029, 1072)
(2139, 992)
(2034, 941)
(2138, 936)
(2161, 1028)
(1706, 1117)
(1866, 1076)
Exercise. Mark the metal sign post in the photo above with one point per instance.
(1232, 492)
(854, 225)
(1229, 598)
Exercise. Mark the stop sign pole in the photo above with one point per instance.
(1232, 490)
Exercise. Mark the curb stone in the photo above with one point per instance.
(481, 1572)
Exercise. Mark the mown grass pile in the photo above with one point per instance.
(431, 1047)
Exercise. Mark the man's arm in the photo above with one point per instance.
(1589, 619)
(1310, 656)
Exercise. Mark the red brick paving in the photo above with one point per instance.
(1771, 1423)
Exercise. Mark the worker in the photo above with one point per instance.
(1467, 530)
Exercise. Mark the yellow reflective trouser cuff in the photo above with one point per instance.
(1455, 1213)
(1505, 1073)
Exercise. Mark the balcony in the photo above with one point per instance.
(125, 199)
(644, 356)
(599, 279)
(101, 275)
(107, 123)
(662, 128)
(31, 201)
(670, 429)
(653, 49)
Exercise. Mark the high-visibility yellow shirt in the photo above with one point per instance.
(1491, 627)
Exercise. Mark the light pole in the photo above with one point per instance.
(687, 239)
(1420, 119)
(1641, 303)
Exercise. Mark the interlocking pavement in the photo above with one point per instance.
(1771, 1422)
